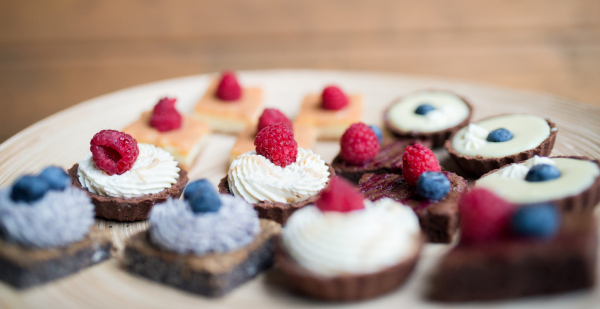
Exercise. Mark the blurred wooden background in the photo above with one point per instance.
(54, 54)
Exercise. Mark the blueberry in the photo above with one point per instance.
(56, 177)
(433, 185)
(499, 135)
(377, 131)
(541, 220)
(542, 172)
(202, 196)
(424, 109)
(28, 189)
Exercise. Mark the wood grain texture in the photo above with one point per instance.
(63, 139)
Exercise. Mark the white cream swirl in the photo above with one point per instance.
(254, 178)
(153, 171)
(474, 137)
(357, 242)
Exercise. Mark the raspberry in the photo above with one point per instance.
(276, 143)
(340, 196)
(272, 115)
(483, 216)
(165, 117)
(416, 160)
(359, 144)
(114, 152)
(333, 98)
(229, 89)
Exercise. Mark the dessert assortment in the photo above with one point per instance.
(346, 231)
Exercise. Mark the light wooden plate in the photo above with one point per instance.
(63, 139)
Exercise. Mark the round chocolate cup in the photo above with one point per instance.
(129, 208)
(479, 165)
(437, 138)
(276, 211)
(345, 287)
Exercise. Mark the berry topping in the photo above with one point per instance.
(202, 197)
(483, 216)
(359, 144)
(499, 135)
(542, 172)
(333, 98)
(423, 109)
(56, 178)
(276, 143)
(433, 185)
(114, 152)
(416, 160)
(28, 189)
(229, 89)
(539, 221)
(340, 196)
(378, 132)
(272, 115)
(165, 117)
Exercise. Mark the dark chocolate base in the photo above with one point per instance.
(211, 275)
(275, 211)
(133, 208)
(24, 267)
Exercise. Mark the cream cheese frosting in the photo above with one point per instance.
(528, 132)
(254, 178)
(153, 171)
(450, 110)
(357, 242)
(509, 182)
(56, 220)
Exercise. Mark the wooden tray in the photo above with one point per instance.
(63, 139)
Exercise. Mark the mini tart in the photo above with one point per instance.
(478, 165)
(583, 202)
(350, 287)
(387, 161)
(330, 124)
(437, 138)
(129, 209)
(438, 219)
(276, 211)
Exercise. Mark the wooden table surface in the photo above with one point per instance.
(54, 54)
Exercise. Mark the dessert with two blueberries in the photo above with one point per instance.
(46, 230)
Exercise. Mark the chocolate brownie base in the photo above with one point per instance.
(209, 275)
(438, 219)
(479, 165)
(276, 211)
(437, 138)
(24, 267)
(387, 161)
(346, 287)
(130, 208)
(518, 268)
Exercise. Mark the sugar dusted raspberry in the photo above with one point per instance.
(114, 152)
(340, 196)
(359, 144)
(164, 116)
(484, 216)
(333, 98)
(272, 115)
(416, 160)
(276, 143)
(229, 89)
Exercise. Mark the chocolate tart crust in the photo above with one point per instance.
(210, 275)
(582, 202)
(437, 138)
(132, 208)
(24, 267)
(276, 211)
(345, 287)
(479, 165)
